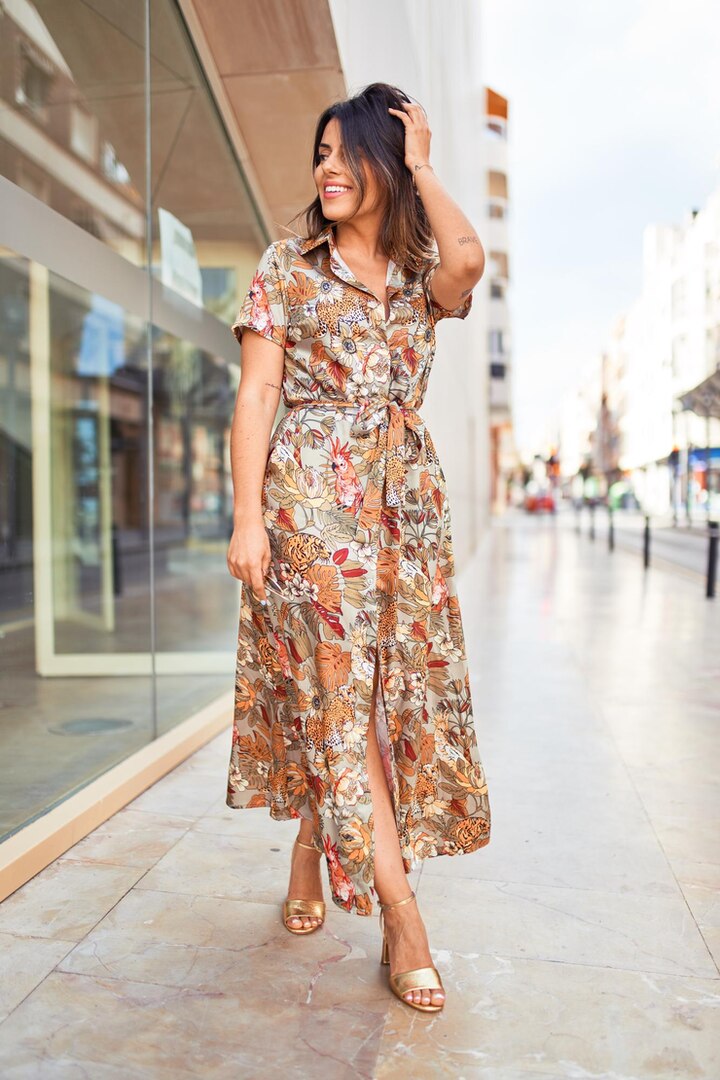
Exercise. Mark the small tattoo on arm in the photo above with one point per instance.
(273, 385)
(468, 240)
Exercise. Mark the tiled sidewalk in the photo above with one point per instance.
(582, 942)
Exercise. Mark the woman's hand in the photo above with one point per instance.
(248, 557)
(417, 134)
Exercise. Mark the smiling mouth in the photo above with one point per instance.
(331, 190)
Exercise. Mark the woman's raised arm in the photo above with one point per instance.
(462, 256)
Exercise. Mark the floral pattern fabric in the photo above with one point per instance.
(362, 575)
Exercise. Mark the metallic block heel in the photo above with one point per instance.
(308, 908)
(424, 978)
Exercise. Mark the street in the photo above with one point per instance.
(681, 546)
(582, 941)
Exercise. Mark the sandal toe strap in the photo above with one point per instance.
(312, 908)
(425, 978)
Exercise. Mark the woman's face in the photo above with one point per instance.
(336, 187)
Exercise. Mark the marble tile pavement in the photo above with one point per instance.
(582, 942)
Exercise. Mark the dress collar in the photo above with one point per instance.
(327, 234)
(395, 276)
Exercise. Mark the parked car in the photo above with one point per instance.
(539, 501)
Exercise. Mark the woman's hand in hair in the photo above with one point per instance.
(417, 134)
(461, 257)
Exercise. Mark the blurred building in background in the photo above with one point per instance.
(648, 410)
(148, 154)
(503, 452)
(578, 419)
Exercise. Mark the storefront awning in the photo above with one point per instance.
(704, 399)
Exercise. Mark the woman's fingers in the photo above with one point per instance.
(252, 575)
(248, 560)
(257, 583)
(406, 112)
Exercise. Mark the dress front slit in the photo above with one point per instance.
(383, 736)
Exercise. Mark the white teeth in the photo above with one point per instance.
(337, 188)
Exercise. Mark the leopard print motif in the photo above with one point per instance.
(302, 550)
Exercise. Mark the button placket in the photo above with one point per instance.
(342, 270)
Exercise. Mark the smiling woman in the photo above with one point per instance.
(353, 708)
(332, 190)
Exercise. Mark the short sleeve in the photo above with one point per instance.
(263, 308)
(437, 311)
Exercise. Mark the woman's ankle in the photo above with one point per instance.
(397, 899)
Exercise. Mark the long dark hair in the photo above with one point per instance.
(370, 131)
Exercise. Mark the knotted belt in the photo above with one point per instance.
(397, 427)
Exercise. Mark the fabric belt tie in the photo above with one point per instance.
(397, 427)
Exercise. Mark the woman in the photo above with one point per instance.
(352, 709)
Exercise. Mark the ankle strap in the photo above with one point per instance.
(384, 907)
(310, 847)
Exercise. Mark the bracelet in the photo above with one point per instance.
(417, 168)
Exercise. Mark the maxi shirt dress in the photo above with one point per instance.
(355, 506)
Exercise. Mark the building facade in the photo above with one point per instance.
(627, 419)
(668, 342)
(148, 154)
(503, 454)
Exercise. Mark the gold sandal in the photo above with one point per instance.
(293, 909)
(424, 978)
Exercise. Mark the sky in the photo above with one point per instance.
(614, 123)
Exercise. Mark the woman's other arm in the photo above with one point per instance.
(256, 404)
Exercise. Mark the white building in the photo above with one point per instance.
(625, 412)
(669, 341)
(579, 410)
(436, 59)
(503, 454)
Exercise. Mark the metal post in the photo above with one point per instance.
(714, 535)
(708, 465)
(611, 529)
(646, 542)
(116, 562)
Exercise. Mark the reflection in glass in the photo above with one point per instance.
(77, 141)
(117, 617)
(197, 602)
(67, 563)
(99, 473)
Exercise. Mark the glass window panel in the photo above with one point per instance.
(73, 539)
(99, 463)
(81, 548)
(196, 179)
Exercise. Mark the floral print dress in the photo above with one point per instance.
(356, 510)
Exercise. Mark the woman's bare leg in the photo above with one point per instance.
(305, 882)
(406, 934)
